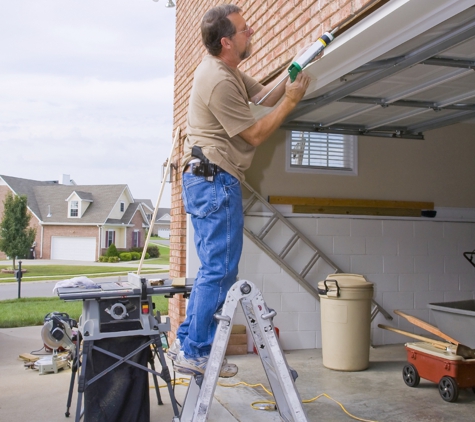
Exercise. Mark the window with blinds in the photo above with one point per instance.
(321, 152)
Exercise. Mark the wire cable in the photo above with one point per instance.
(271, 405)
(267, 405)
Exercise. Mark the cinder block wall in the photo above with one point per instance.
(281, 27)
(411, 263)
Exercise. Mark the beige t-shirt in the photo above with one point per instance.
(218, 111)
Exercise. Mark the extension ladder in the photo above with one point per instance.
(261, 217)
(281, 377)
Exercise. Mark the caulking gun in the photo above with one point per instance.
(301, 62)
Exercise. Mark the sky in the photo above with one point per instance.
(86, 89)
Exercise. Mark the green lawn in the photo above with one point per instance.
(32, 311)
(163, 259)
(61, 272)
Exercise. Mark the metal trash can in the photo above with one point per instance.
(346, 321)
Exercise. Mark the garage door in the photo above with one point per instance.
(73, 248)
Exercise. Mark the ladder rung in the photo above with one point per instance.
(310, 264)
(252, 200)
(267, 227)
(289, 245)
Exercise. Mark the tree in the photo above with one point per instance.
(112, 251)
(16, 237)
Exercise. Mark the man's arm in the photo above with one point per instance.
(276, 95)
(263, 128)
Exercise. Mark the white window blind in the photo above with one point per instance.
(322, 151)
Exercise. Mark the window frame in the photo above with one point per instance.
(73, 208)
(321, 170)
(110, 236)
(136, 239)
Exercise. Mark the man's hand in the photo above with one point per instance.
(263, 128)
(294, 91)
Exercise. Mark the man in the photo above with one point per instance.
(222, 135)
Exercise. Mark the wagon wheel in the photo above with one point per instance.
(448, 389)
(410, 375)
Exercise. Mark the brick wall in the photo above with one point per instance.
(282, 27)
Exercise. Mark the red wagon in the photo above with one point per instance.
(449, 371)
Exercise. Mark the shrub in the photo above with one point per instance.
(103, 258)
(125, 256)
(112, 251)
(135, 255)
(147, 255)
(113, 259)
(152, 250)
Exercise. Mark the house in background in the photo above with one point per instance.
(162, 220)
(148, 207)
(161, 227)
(79, 222)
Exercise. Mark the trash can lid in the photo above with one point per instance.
(347, 281)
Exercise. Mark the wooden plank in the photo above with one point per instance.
(351, 203)
(397, 212)
(238, 329)
(28, 357)
(179, 282)
(238, 339)
(236, 349)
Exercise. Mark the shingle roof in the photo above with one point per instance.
(147, 202)
(129, 213)
(162, 212)
(85, 196)
(26, 187)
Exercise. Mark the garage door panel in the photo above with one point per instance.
(73, 248)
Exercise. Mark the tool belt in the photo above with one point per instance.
(204, 167)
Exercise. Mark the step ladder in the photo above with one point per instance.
(281, 377)
(266, 227)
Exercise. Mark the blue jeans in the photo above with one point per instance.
(217, 217)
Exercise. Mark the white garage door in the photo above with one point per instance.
(73, 248)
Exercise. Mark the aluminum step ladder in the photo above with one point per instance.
(266, 227)
(281, 377)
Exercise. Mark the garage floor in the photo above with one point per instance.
(377, 394)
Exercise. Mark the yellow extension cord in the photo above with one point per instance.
(267, 404)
